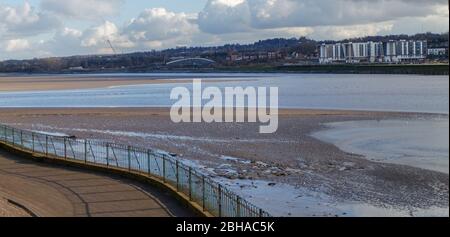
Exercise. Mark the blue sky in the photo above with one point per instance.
(45, 28)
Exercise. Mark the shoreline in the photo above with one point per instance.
(284, 111)
(241, 156)
(18, 82)
(385, 69)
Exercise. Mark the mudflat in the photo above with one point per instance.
(290, 156)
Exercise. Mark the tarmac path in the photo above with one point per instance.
(29, 188)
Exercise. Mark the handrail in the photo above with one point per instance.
(210, 195)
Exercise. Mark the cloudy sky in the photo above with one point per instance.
(42, 28)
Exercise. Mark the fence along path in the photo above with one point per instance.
(210, 195)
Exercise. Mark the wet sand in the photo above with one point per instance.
(41, 83)
(235, 151)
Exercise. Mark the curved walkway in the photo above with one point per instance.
(49, 190)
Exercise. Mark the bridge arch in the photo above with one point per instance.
(191, 62)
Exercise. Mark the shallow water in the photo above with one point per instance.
(418, 143)
(287, 200)
(320, 91)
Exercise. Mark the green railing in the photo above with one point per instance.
(207, 193)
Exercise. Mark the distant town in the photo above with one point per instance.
(428, 48)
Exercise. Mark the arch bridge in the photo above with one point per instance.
(191, 62)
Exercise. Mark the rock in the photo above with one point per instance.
(242, 177)
(262, 164)
(348, 164)
(279, 173)
(272, 184)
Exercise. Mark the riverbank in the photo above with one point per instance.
(395, 69)
(290, 160)
(417, 69)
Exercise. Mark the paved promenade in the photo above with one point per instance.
(29, 188)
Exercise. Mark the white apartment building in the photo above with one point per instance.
(437, 51)
(376, 52)
(411, 50)
(371, 52)
(390, 55)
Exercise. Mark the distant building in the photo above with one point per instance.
(438, 51)
(411, 50)
(76, 68)
(390, 55)
(373, 52)
(376, 52)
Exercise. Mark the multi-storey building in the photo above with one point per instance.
(390, 55)
(411, 50)
(376, 52)
(438, 51)
(389, 52)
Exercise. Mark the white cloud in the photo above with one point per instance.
(160, 24)
(17, 45)
(99, 34)
(83, 9)
(345, 32)
(24, 20)
(230, 3)
(65, 42)
(220, 17)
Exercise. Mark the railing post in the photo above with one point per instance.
(65, 148)
(164, 169)
(177, 175)
(129, 158)
(46, 145)
(148, 162)
(85, 151)
(13, 141)
(21, 137)
(107, 154)
(238, 206)
(203, 193)
(32, 141)
(190, 184)
(219, 199)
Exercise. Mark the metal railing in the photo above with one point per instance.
(207, 193)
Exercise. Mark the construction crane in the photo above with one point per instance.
(111, 46)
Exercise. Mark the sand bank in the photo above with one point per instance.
(40, 83)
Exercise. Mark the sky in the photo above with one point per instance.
(47, 28)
